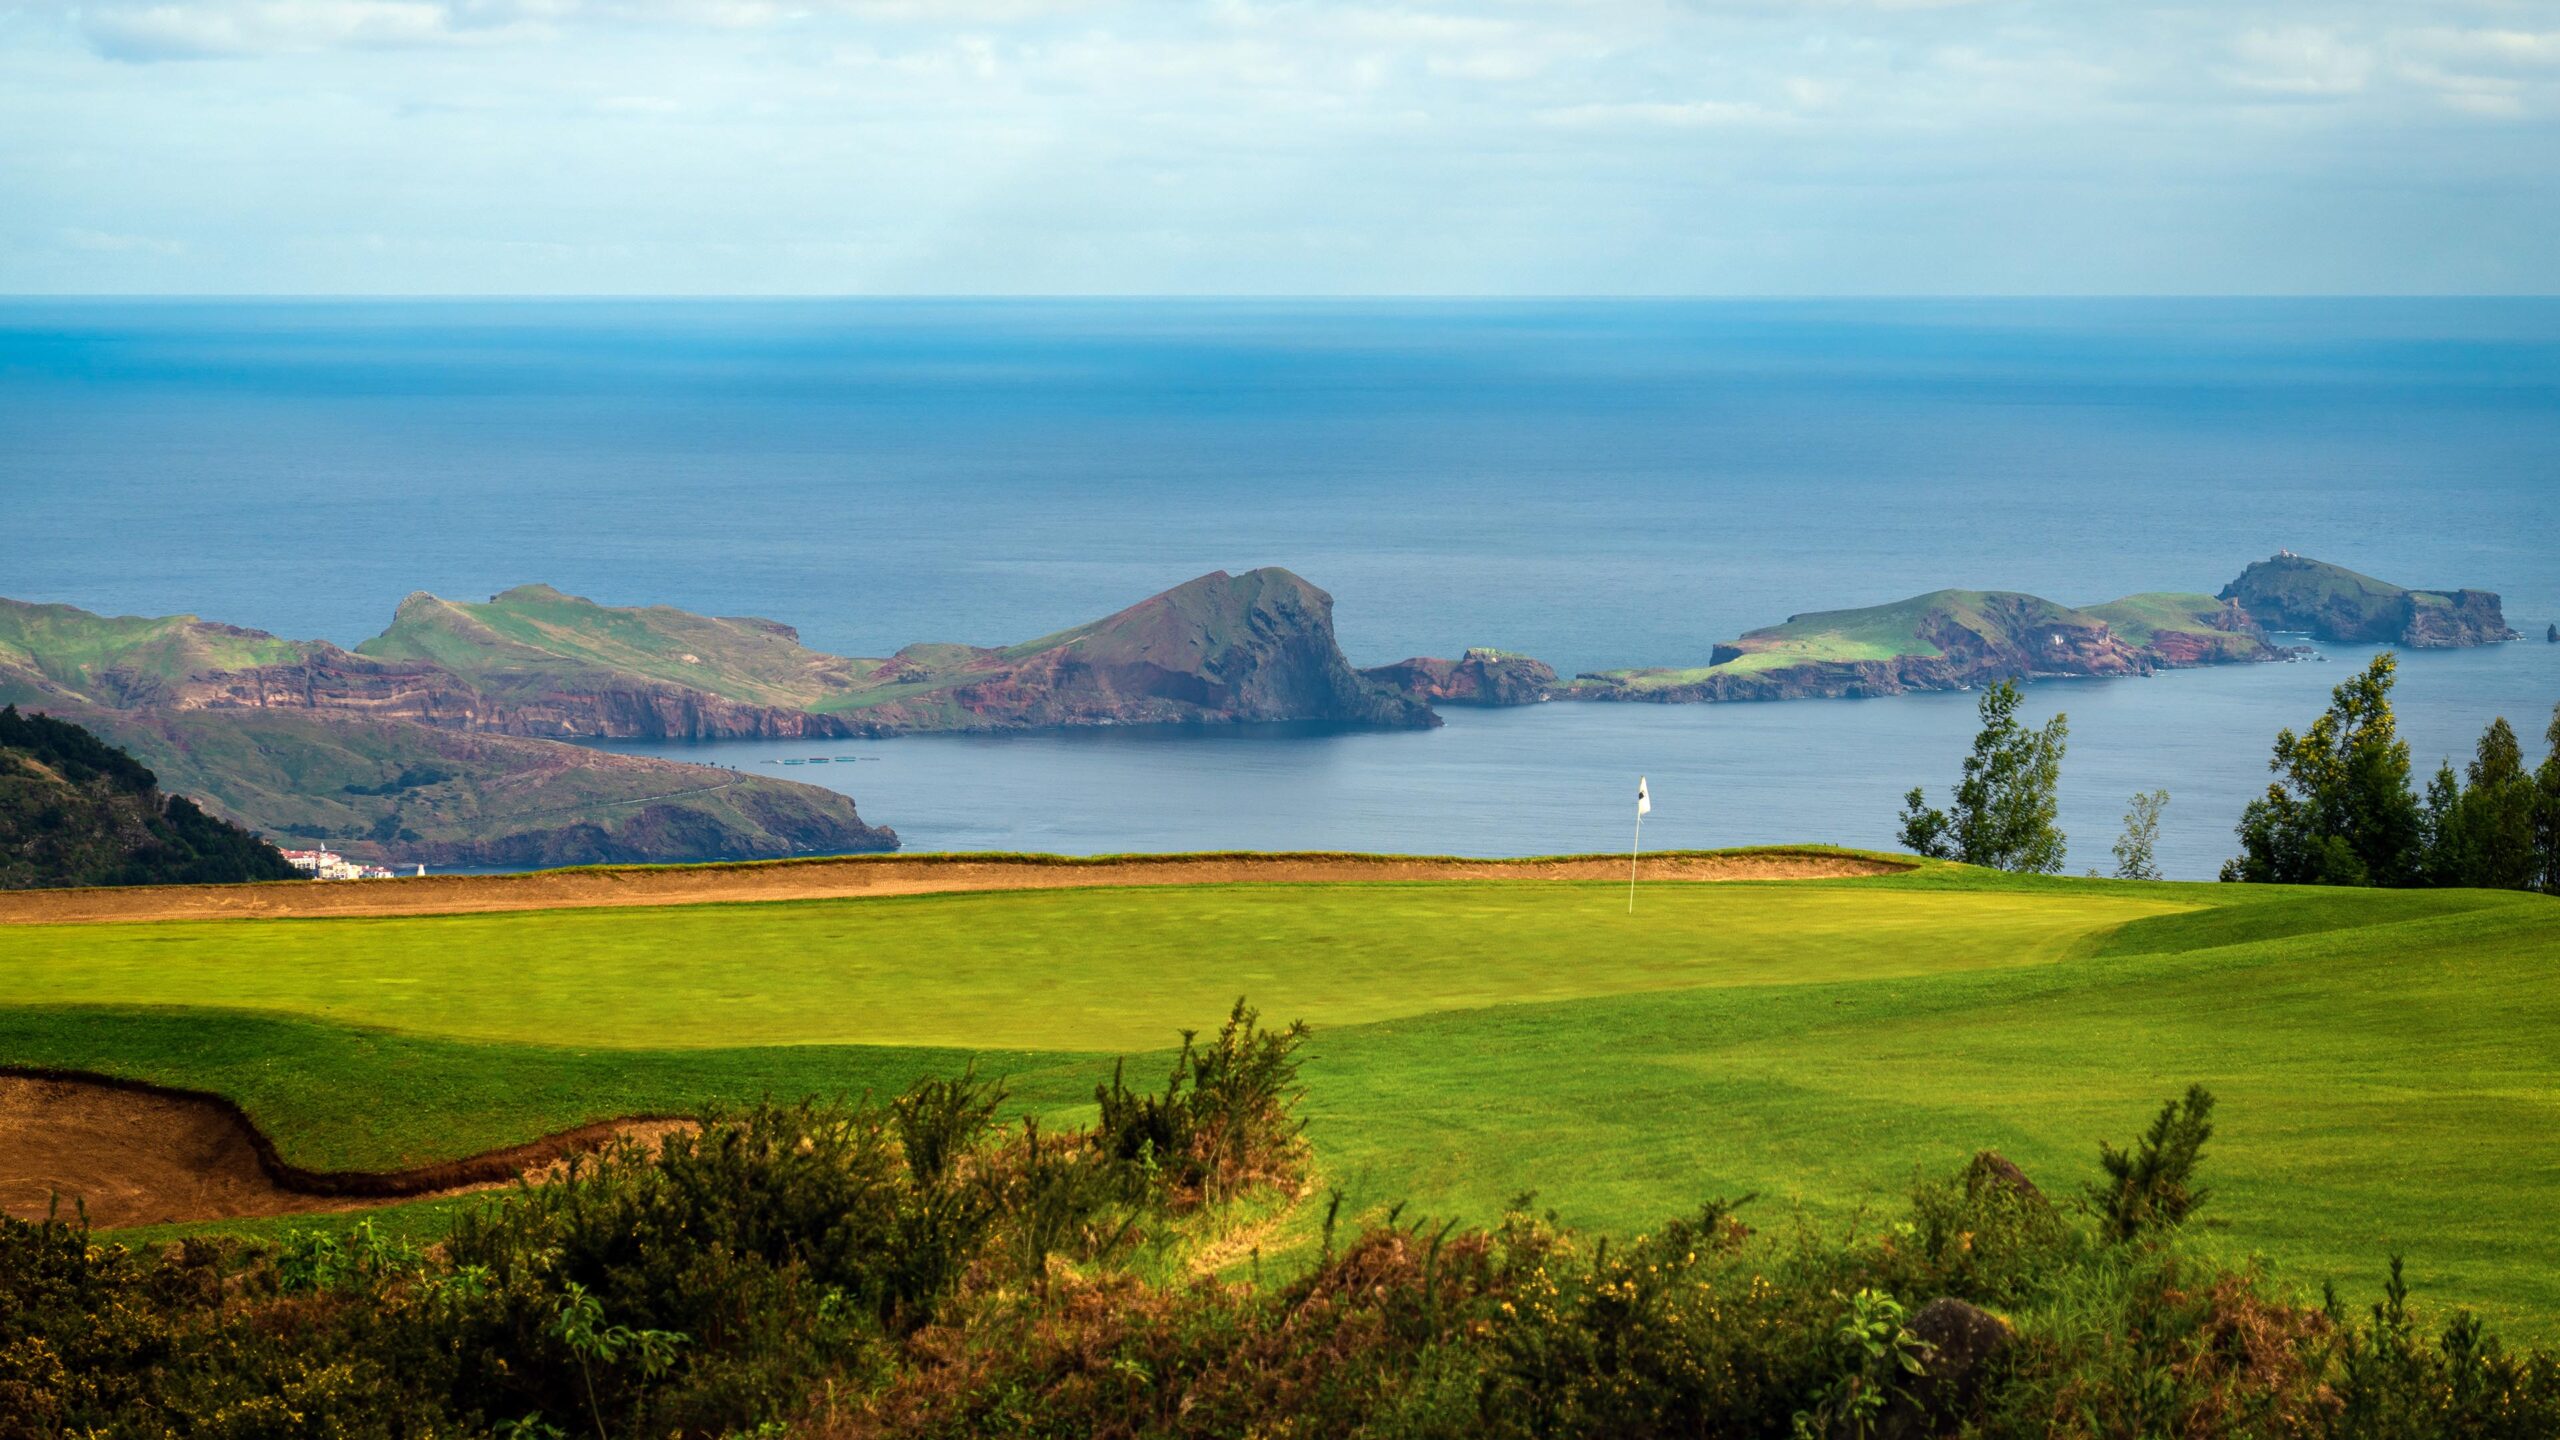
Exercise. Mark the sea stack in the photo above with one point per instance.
(2551, 634)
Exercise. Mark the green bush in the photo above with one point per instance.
(1225, 1119)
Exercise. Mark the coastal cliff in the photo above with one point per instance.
(2330, 602)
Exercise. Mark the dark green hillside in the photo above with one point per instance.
(75, 810)
(400, 793)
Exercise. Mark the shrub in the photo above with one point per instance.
(1225, 1119)
(2152, 1187)
(2392, 1385)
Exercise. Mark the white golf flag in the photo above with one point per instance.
(1644, 798)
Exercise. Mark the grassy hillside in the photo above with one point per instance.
(534, 636)
(1871, 633)
(47, 649)
(2179, 625)
(2378, 1052)
(2142, 618)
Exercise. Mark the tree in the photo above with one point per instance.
(2141, 836)
(2342, 813)
(2497, 813)
(2003, 814)
(2546, 810)
(2440, 829)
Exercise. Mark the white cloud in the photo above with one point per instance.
(1664, 114)
(2508, 47)
(1251, 144)
(2302, 60)
(251, 27)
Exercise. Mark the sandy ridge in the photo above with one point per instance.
(873, 875)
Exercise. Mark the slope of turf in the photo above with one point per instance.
(2382, 1080)
(2384, 1058)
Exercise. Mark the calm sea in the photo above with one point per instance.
(1595, 483)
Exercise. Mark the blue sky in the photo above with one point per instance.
(1306, 147)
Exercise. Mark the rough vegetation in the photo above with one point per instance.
(918, 1270)
(75, 810)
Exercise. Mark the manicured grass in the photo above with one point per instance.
(2383, 1058)
(1075, 970)
(2385, 1085)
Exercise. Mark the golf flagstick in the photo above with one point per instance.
(1644, 807)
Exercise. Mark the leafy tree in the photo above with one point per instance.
(2343, 813)
(2004, 809)
(2141, 837)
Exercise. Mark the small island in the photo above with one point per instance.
(1957, 639)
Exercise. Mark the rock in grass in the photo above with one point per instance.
(1992, 1170)
(1960, 1345)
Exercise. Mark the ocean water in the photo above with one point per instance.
(1596, 483)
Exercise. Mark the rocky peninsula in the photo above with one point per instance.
(437, 740)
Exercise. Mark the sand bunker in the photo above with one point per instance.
(842, 877)
(139, 1156)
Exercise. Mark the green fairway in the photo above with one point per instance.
(1081, 970)
(2385, 1059)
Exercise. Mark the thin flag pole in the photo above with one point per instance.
(1644, 802)
(1631, 862)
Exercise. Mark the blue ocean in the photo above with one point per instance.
(1595, 483)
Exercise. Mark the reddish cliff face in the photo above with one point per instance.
(2025, 637)
(1480, 677)
(612, 708)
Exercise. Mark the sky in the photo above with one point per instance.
(1709, 147)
